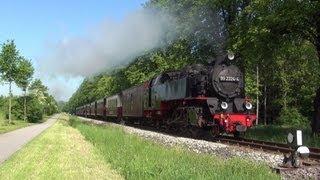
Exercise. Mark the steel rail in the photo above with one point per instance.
(266, 145)
(251, 143)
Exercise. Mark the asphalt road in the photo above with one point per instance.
(13, 141)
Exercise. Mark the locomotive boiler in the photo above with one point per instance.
(195, 98)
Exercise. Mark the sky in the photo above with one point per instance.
(35, 25)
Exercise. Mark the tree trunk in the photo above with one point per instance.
(318, 45)
(25, 106)
(10, 96)
(257, 106)
(265, 105)
(315, 125)
(285, 101)
(317, 40)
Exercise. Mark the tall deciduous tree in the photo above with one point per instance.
(9, 59)
(23, 80)
(40, 92)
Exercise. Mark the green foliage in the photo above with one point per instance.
(281, 38)
(40, 93)
(72, 121)
(61, 105)
(24, 74)
(38, 104)
(37, 87)
(9, 59)
(17, 69)
(7, 127)
(35, 110)
(277, 133)
(141, 159)
(292, 117)
(18, 107)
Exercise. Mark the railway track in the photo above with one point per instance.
(250, 143)
(266, 145)
(314, 156)
(310, 167)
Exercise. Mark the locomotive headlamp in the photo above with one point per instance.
(230, 56)
(248, 106)
(224, 105)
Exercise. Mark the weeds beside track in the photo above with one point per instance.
(136, 158)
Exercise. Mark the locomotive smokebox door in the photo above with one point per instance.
(227, 80)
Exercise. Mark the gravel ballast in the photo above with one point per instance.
(217, 149)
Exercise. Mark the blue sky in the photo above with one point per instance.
(35, 23)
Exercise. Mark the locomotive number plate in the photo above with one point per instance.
(229, 79)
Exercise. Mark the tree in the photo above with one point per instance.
(9, 59)
(277, 36)
(280, 38)
(23, 80)
(40, 92)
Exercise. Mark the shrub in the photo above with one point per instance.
(34, 111)
(17, 107)
(292, 117)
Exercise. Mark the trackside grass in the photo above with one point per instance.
(136, 158)
(16, 124)
(279, 134)
(58, 153)
(5, 126)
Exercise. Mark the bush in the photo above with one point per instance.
(17, 107)
(292, 117)
(34, 111)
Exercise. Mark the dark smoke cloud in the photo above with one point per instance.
(110, 44)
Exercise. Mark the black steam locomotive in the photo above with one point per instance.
(198, 96)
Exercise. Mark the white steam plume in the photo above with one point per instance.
(111, 44)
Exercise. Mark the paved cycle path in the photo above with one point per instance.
(13, 141)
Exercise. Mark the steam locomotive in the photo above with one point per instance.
(193, 99)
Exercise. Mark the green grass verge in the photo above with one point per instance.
(5, 126)
(59, 153)
(136, 158)
(279, 134)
